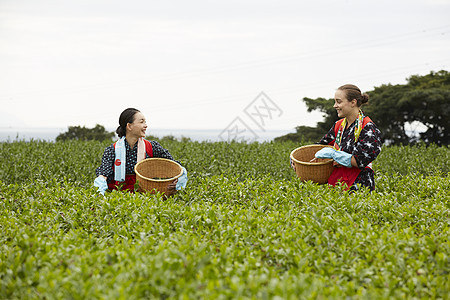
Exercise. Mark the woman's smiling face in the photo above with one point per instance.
(342, 105)
(139, 125)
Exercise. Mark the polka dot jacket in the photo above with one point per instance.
(365, 150)
(106, 167)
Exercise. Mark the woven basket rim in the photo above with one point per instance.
(310, 163)
(158, 180)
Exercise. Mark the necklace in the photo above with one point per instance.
(358, 128)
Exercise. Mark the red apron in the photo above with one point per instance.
(344, 175)
(130, 179)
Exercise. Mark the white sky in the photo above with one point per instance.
(198, 64)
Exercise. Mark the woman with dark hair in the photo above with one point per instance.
(355, 138)
(119, 159)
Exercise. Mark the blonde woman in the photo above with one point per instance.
(355, 139)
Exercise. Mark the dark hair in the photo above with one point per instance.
(127, 116)
(353, 92)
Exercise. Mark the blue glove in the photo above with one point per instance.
(343, 158)
(326, 152)
(100, 182)
(182, 180)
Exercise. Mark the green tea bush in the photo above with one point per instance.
(244, 227)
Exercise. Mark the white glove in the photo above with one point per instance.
(100, 182)
(182, 180)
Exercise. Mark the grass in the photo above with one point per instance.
(243, 228)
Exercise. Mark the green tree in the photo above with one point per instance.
(98, 133)
(423, 99)
(384, 110)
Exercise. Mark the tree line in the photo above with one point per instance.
(98, 133)
(423, 100)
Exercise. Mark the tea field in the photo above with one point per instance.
(244, 227)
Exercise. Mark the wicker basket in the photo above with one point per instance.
(315, 171)
(155, 174)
